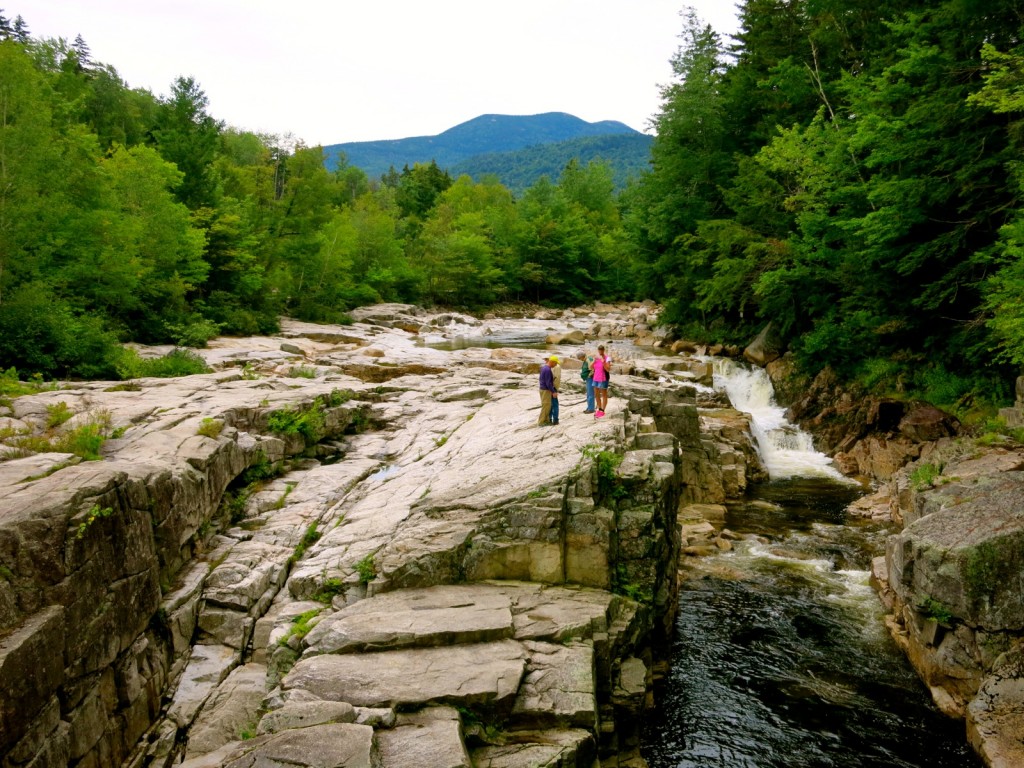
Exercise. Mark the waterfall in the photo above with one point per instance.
(786, 450)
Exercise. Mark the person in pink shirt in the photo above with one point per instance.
(600, 368)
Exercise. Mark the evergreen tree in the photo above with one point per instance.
(187, 136)
(20, 29)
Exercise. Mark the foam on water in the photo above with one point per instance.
(786, 450)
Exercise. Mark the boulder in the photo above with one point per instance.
(302, 714)
(966, 551)
(766, 347)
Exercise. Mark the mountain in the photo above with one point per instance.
(627, 154)
(490, 135)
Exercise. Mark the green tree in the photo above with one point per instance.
(187, 136)
(418, 189)
(1003, 93)
(555, 247)
(690, 160)
(32, 168)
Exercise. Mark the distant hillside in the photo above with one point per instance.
(484, 135)
(627, 154)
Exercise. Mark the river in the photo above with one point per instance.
(780, 656)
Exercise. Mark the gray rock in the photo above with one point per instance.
(966, 552)
(558, 689)
(207, 667)
(438, 616)
(431, 737)
(995, 718)
(340, 745)
(484, 675)
(230, 711)
(765, 348)
(539, 749)
(301, 714)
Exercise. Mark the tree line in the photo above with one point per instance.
(847, 170)
(126, 216)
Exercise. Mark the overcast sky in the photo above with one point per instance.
(332, 71)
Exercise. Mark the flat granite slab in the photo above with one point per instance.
(483, 674)
(437, 616)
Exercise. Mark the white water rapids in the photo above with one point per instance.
(786, 450)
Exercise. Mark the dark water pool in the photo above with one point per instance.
(781, 657)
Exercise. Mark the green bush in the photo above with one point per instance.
(302, 372)
(923, 476)
(11, 386)
(91, 517)
(40, 333)
(880, 375)
(84, 441)
(933, 609)
(57, 414)
(300, 625)
(194, 333)
(210, 427)
(308, 422)
(309, 538)
(328, 589)
(177, 362)
(367, 569)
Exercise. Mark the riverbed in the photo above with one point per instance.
(780, 656)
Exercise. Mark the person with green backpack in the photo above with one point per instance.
(587, 374)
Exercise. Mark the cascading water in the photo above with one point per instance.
(786, 450)
(781, 658)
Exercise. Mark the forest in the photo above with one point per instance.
(847, 170)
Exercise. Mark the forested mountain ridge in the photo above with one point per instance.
(627, 155)
(483, 135)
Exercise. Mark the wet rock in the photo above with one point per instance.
(765, 348)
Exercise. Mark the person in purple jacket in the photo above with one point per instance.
(547, 391)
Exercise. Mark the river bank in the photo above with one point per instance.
(351, 532)
(359, 533)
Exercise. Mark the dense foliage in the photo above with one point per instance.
(627, 155)
(130, 217)
(849, 171)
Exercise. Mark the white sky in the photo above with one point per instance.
(332, 71)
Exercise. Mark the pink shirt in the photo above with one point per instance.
(599, 371)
